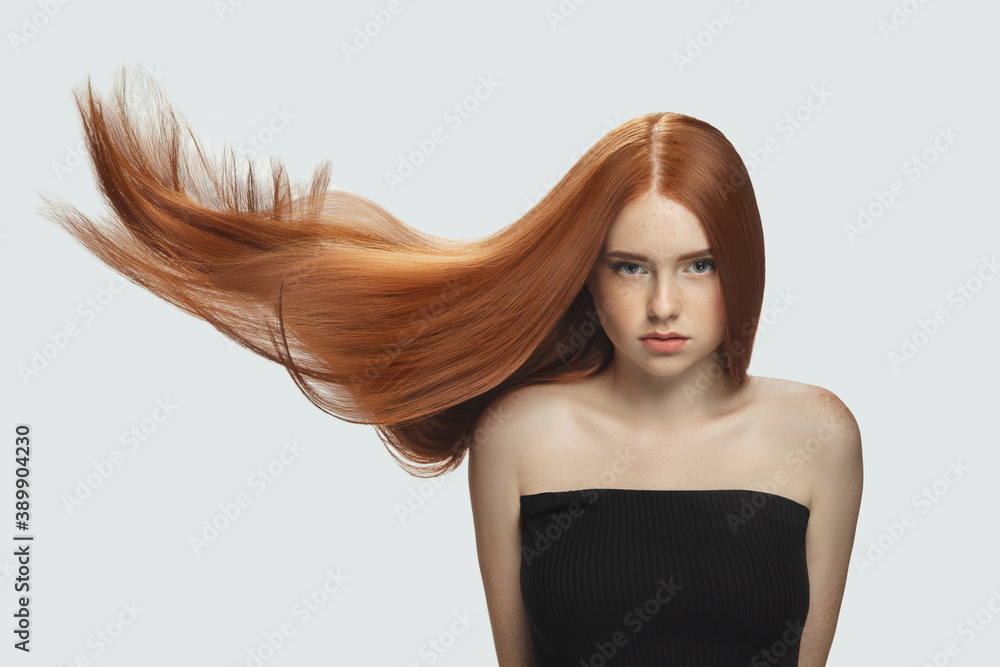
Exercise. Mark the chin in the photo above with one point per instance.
(671, 364)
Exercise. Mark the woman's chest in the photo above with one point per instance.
(751, 454)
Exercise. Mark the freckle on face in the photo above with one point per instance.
(661, 231)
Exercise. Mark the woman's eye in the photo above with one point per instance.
(701, 266)
(620, 265)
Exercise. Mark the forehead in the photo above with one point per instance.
(656, 224)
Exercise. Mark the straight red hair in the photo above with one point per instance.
(379, 323)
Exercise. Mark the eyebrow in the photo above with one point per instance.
(694, 254)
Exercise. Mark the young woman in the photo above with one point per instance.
(637, 497)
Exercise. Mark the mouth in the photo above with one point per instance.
(665, 343)
(664, 336)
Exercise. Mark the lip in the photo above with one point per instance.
(664, 336)
(664, 345)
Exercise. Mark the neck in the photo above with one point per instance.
(701, 392)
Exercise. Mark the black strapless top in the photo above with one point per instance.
(691, 578)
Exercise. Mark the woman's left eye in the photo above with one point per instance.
(703, 262)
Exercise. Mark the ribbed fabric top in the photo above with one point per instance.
(617, 577)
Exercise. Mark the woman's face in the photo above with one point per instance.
(656, 273)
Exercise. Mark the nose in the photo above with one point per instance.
(664, 302)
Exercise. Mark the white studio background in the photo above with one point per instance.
(870, 129)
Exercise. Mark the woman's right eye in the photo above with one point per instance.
(619, 265)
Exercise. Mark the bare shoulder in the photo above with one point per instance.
(807, 409)
(819, 430)
(520, 424)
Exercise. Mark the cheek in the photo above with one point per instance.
(716, 309)
(607, 303)
(602, 295)
(720, 302)
(620, 309)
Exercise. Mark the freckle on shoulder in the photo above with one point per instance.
(802, 403)
(789, 390)
(819, 410)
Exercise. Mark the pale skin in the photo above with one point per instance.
(665, 421)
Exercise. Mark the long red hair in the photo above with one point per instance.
(375, 321)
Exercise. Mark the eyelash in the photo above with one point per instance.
(619, 265)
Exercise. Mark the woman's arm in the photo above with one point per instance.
(837, 478)
(496, 513)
